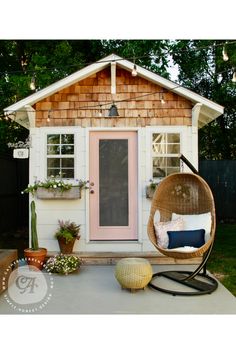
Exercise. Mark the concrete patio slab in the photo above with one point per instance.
(94, 290)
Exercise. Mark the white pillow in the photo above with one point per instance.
(195, 222)
(162, 227)
(156, 217)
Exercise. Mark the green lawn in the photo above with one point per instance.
(222, 262)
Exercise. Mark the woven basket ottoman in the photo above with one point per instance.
(133, 273)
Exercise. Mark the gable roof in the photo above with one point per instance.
(208, 110)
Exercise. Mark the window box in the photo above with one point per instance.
(50, 193)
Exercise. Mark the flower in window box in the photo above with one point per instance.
(54, 188)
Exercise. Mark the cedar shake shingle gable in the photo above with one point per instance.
(76, 99)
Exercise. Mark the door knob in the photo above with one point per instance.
(92, 191)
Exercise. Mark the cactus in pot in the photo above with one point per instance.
(34, 235)
(35, 255)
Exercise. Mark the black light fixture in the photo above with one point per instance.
(113, 112)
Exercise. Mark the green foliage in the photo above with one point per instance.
(63, 264)
(150, 54)
(51, 60)
(67, 230)
(11, 132)
(54, 183)
(222, 259)
(203, 70)
(34, 235)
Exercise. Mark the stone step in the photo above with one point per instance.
(102, 258)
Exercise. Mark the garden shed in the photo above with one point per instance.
(119, 129)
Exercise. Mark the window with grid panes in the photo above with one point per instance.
(60, 155)
(165, 151)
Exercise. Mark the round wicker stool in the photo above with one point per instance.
(133, 273)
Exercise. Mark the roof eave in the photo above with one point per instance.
(213, 109)
(61, 84)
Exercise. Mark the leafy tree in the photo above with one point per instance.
(48, 61)
(203, 70)
(150, 54)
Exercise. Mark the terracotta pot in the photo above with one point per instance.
(35, 258)
(67, 248)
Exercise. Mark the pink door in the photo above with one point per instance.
(113, 179)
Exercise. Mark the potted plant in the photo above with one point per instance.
(66, 235)
(63, 264)
(56, 188)
(150, 189)
(35, 255)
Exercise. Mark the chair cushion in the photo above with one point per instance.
(185, 249)
(192, 238)
(196, 222)
(162, 227)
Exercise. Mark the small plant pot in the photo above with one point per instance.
(35, 258)
(67, 248)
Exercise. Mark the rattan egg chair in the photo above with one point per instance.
(184, 193)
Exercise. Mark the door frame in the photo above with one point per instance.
(139, 196)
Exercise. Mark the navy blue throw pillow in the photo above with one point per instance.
(193, 238)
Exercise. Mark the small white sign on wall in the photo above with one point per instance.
(21, 153)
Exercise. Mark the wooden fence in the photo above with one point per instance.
(14, 209)
(221, 177)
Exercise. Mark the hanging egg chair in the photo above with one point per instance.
(186, 196)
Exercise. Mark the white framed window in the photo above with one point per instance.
(61, 155)
(166, 147)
